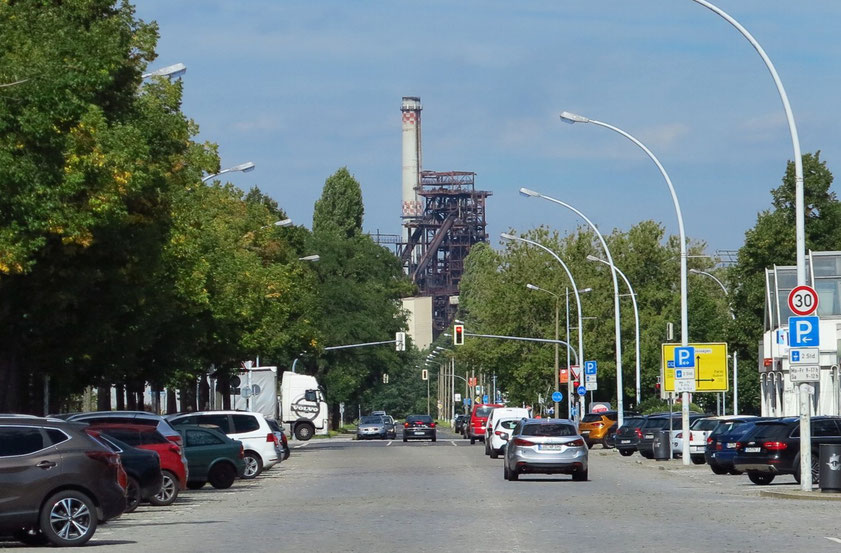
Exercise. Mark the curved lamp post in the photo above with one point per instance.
(580, 355)
(169, 71)
(735, 353)
(636, 319)
(242, 167)
(620, 404)
(568, 117)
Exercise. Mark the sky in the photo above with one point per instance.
(303, 88)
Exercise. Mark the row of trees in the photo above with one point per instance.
(118, 266)
(495, 300)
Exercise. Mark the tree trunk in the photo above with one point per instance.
(171, 401)
(121, 397)
(103, 398)
(204, 393)
(131, 398)
(188, 397)
(223, 387)
(335, 416)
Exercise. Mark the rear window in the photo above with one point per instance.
(483, 411)
(704, 424)
(768, 431)
(508, 425)
(419, 418)
(245, 423)
(130, 437)
(632, 423)
(273, 425)
(592, 417)
(552, 430)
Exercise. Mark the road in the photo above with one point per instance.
(385, 496)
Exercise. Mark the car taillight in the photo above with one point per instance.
(270, 437)
(432, 425)
(175, 449)
(638, 432)
(405, 425)
(709, 440)
(176, 439)
(738, 445)
(522, 442)
(241, 452)
(122, 477)
(107, 457)
(575, 443)
(679, 435)
(598, 424)
(775, 446)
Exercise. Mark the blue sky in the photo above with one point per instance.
(303, 88)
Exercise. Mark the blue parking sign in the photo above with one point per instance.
(590, 367)
(804, 332)
(685, 357)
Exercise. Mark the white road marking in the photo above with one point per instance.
(389, 443)
(305, 444)
(453, 442)
(836, 540)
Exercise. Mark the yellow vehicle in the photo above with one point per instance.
(599, 428)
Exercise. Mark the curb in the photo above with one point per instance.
(800, 494)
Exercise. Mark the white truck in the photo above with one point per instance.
(297, 403)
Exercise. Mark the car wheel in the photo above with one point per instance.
(487, 449)
(816, 468)
(580, 475)
(286, 453)
(68, 518)
(304, 432)
(405, 439)
(31, 537)
(472, 440)
(195, 485)
(734, 472)
(434, 437)
(698, 459)
(494, 454)
(607, 443)
(717, 469)
(132, 495)
(626, 452)
(253, 465)
(168, 492)
(760, 478)
(513, 476)
(222, 476)
(505, 472)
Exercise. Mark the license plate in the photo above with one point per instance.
(753, 449)
(585, 432)
(649, 436)
(418, 432)
(696, 449)
(731, 445)
(551, 446)
(624, 441)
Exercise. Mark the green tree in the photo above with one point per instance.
(339, 210)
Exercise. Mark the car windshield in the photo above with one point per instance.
(371, 420)
(551, 429)
(483, 411)
(592, 417)
(704, 424)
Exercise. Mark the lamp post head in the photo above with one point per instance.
(283, 223)
(593, 258)
(528, 192)
(506, 236)
(169, 71)
(696, 271)
(532, 287)
(584, 291)
(315, 257)
(571, 118)
(244, 167)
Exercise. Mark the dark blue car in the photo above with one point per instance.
(721, 444)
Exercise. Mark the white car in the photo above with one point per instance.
(500, 435)
(258, 440)
(497, 414)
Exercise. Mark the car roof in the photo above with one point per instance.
(547, 421)
(31, 420)
(122, 426)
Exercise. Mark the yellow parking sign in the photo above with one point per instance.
(711, 374)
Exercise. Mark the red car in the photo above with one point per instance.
(478, 420)
(173, 467)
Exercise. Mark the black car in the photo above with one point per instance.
(628, 435)
(773, 447)
(57, 482)
(458, 424)
(656, 423)
(721, 444)
(142, 466)
(419, 427)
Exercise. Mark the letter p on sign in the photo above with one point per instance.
(685, 357)
(804, 331)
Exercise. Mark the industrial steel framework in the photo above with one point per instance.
(453, 219)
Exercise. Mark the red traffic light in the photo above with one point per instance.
(458, 335)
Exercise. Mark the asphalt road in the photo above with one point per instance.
(386, 496)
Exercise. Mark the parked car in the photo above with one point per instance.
(142, 466)
(600, 428)
(172, 459)
(699, 431)
(57, 482)
(498, 413)
(371, 426)
(211, 456)
(478, 420)
(419, 427)
(459, 423)
(628, 435)
(721, 444)
(283, 443)
(772, 448)
(130, 417)
(251, 429)
(390, 427)
(548, 446)
(656, 423)
(502, 432)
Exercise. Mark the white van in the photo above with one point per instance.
(496, 415)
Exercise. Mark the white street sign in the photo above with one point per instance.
(804, 356)
(684, 385)
(591, 386)
(805, 373)
(457, 398)
(685, 374)
(590, 378)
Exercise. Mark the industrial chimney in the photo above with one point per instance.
(411, 108)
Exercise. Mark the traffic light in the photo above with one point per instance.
(424, 374)
(458, 335)
(400, 341)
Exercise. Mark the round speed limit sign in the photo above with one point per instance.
(803, 300)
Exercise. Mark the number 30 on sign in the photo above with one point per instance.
(803, 300)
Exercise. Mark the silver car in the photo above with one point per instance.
(547, 446)
(371, 427)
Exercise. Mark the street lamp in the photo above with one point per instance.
(580, 356)
(281, 223)
(314, 257)
(169, 71)
(735, 353)
(557, 367)
(620, 404)
(684, 317)
(636, 319)
(242, 167)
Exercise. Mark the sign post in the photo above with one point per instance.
(804, 331)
